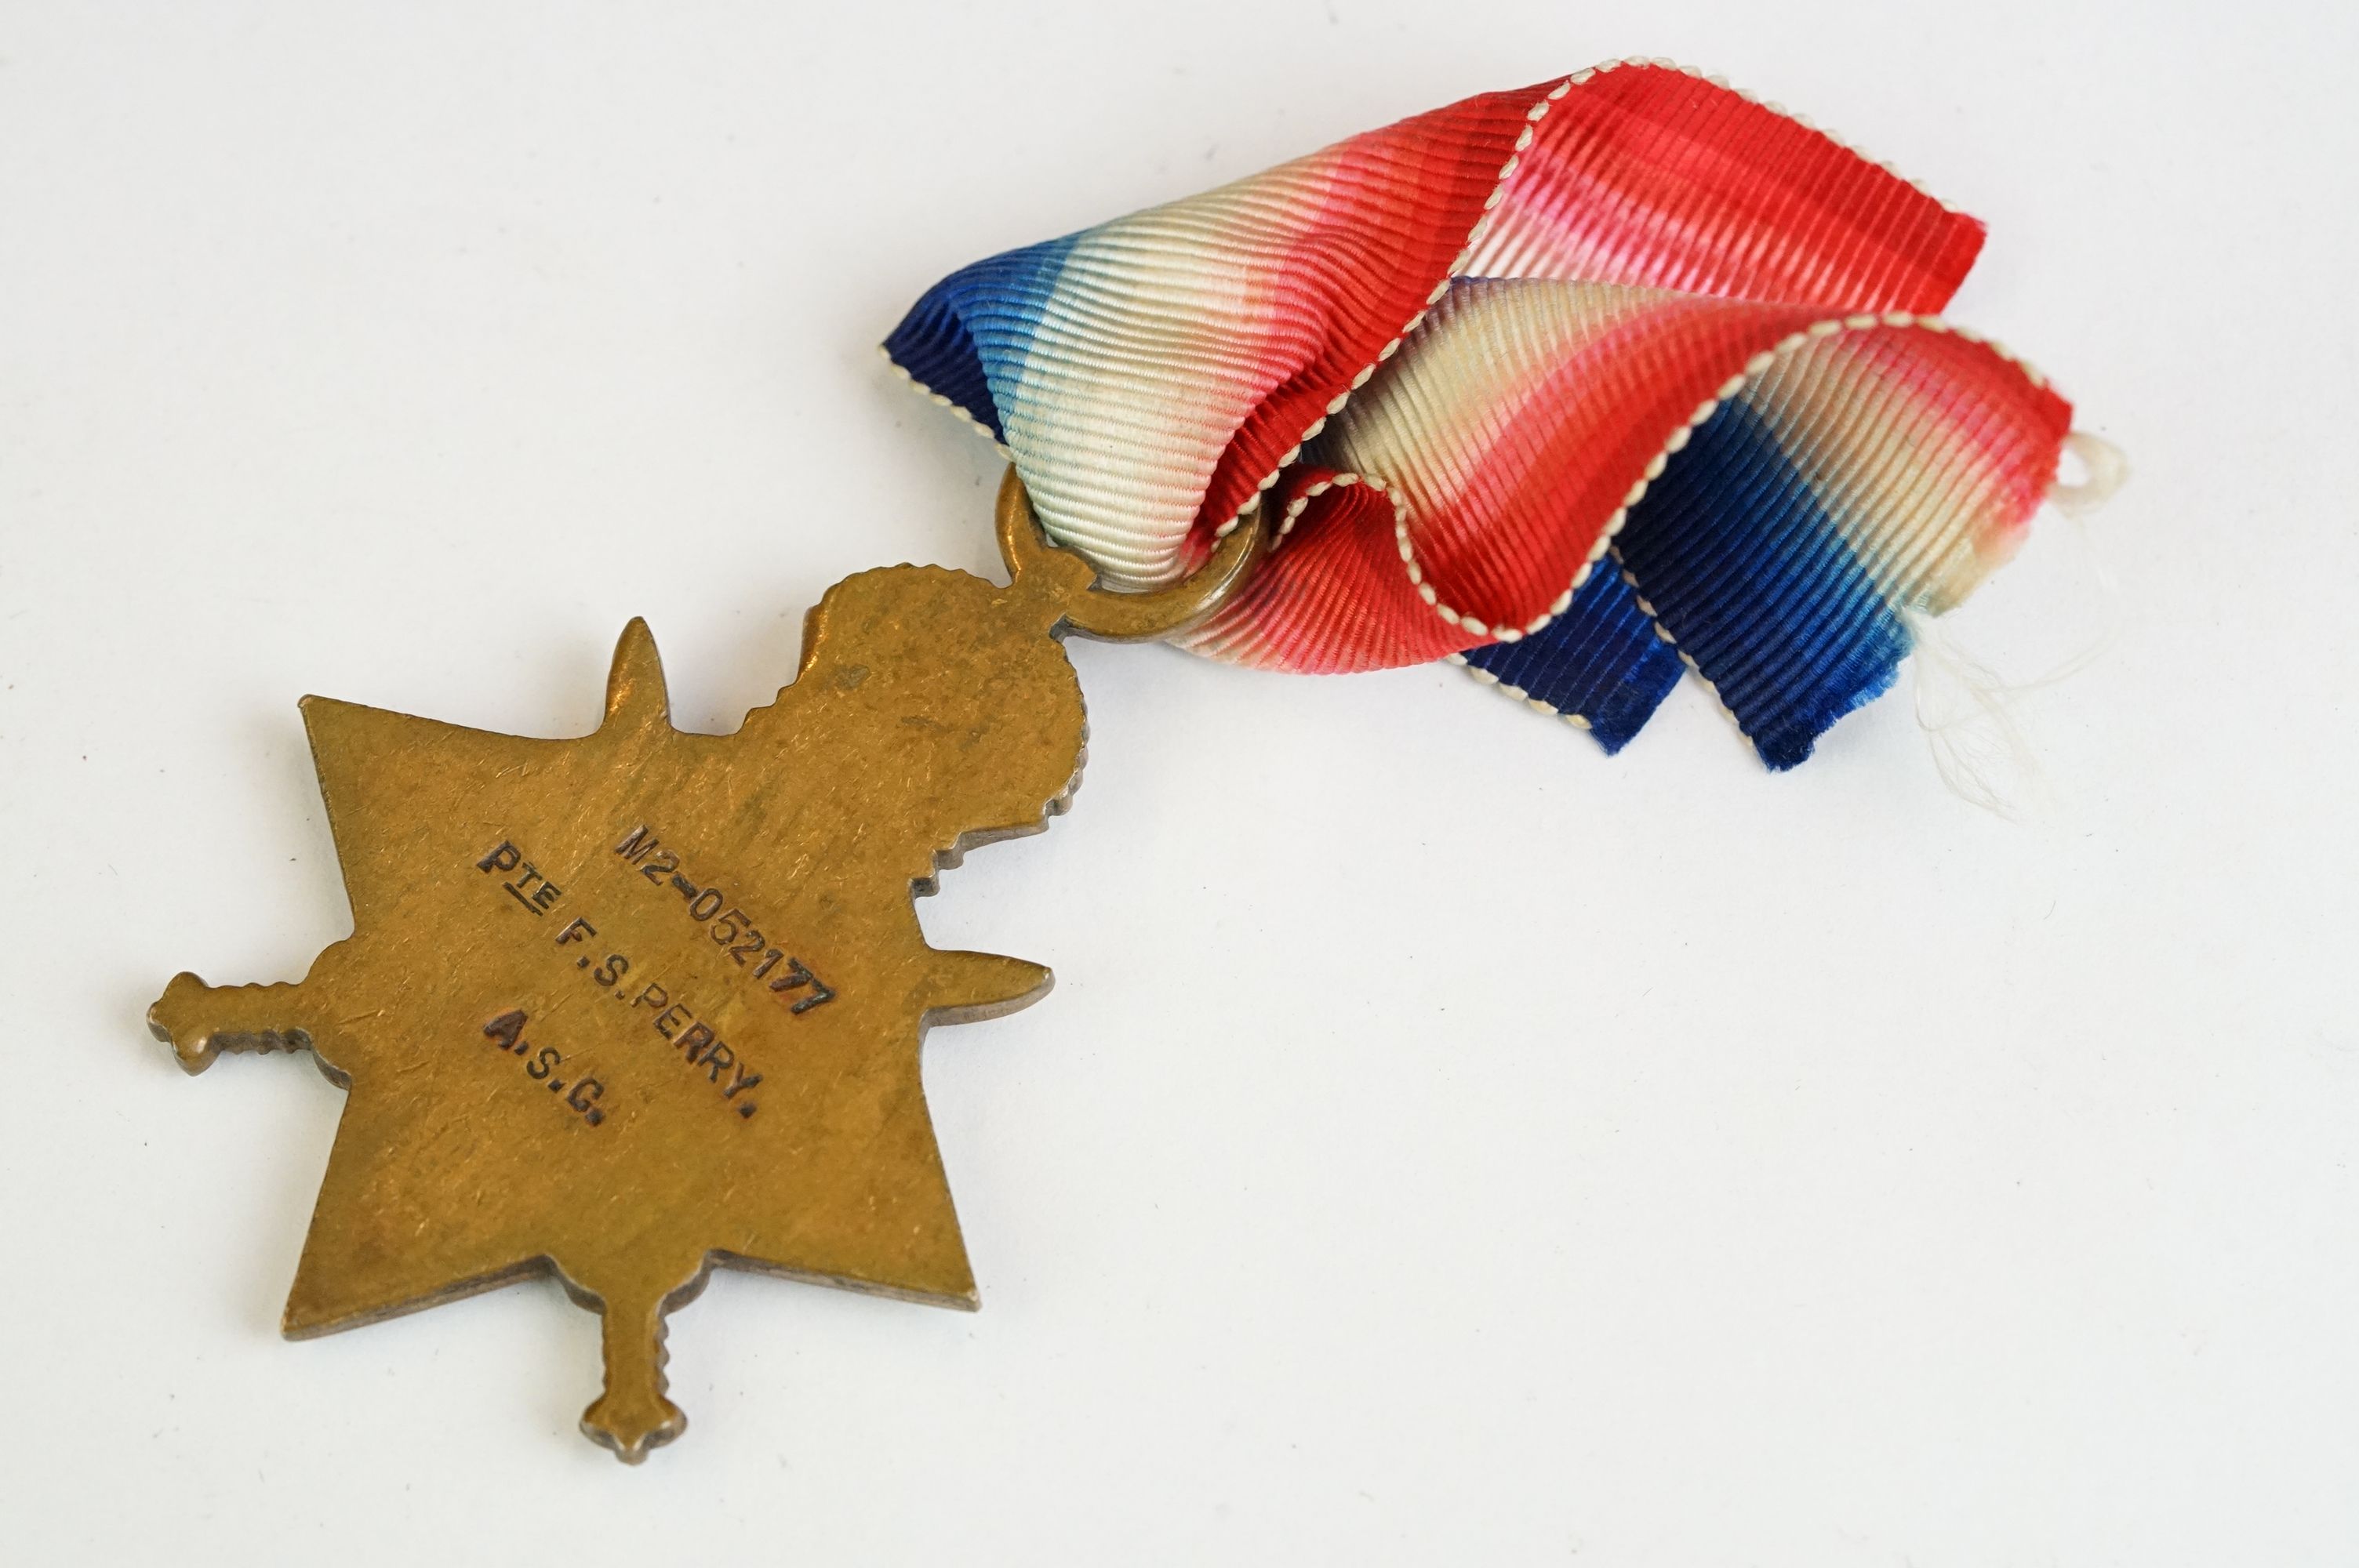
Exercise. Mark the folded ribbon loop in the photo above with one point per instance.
(1584, 385)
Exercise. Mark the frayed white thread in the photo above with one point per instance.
(2104, 469)
(1968, 711)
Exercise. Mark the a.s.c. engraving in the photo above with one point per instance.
(541, 1063)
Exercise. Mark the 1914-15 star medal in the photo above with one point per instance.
(627, 1006)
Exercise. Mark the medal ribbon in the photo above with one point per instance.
(1582, 385)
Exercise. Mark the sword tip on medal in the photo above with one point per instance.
(968, 988)
(635, 693)
(632, 1418)
(200, 1021)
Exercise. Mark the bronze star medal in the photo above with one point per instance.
(627, 1006)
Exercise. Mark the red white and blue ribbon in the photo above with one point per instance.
(1584, 385)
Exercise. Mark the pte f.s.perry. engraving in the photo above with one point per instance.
(628, 1006)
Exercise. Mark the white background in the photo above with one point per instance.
(1444, 1144)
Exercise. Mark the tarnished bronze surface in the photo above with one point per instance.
(627, 1006)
